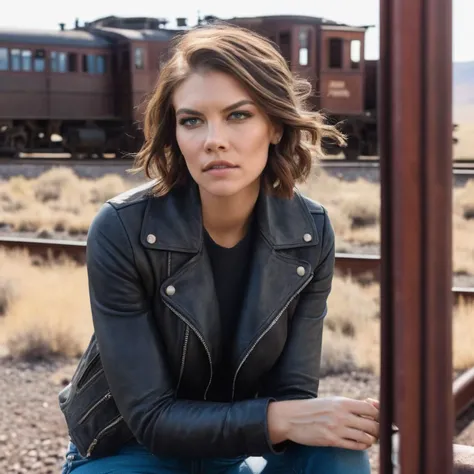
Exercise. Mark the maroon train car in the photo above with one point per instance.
(331, 56)
(53, 83)
(83, 90)
(80, 86)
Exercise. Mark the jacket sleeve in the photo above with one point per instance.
(136, 369)
(296, 374)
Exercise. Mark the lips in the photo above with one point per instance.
(219, 165)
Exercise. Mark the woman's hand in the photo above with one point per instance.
(332, 421)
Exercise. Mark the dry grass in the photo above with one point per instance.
(57, 201)
(464, 149)
(48, 308)
(48, 315)
(354, 208)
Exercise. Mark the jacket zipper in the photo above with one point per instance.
(88, 382)
(86, 372)
(186, 337)
(183, 358)
(274, 321)
(101, 433)
(201, 339)
(107, 396)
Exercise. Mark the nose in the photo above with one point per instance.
(216, 139)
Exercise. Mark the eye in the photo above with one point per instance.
(189, 121)
(240, 115)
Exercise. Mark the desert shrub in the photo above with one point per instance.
(49, 315)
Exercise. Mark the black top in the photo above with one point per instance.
(230, 268)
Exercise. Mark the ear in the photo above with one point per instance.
(277, 133)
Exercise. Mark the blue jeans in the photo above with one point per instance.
(136, 459)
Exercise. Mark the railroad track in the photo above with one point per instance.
(346, 264)
(66, 160)
(356, 265)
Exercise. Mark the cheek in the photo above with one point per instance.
(256, 145)
(188, 147)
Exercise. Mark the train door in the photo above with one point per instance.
(121, 67)
(342, 70)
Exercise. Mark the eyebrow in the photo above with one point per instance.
(227, 109)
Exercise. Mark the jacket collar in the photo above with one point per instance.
(174, 222)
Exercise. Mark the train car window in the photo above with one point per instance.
(26, 60)
(303, 57)
(284, 41)
(88, 63)
(54, 61)
(139, 59)
(4, 63)
(101, 64)
(91, 64)
(15, 58)
(355, 54)
(38, 60)
(59, 62)
(303, 54)
(335, 53)
(72, 62)
(62, 62)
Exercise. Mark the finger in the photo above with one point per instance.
(363, 408)
(358, 436)
(373, 402)
(366, 425)
(350, 444)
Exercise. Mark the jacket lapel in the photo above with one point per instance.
(195, 299)
(273, 281)
(175, 222)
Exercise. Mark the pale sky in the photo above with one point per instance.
(47, 14)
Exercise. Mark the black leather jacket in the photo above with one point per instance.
(156, 322)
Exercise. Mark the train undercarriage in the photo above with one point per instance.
(81, 139)
(361, 133)
(94, 139)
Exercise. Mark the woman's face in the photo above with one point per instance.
(221, 133)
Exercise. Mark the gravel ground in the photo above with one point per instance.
(33, 435)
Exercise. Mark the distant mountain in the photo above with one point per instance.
(463, 92)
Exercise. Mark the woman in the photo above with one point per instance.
(208, 285)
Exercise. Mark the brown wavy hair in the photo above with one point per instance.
(256, 63)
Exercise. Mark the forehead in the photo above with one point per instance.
(207, 89)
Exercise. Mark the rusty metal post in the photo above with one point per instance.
(416, 157)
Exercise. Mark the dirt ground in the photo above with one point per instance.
(33, 435)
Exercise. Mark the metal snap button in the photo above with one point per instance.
(150, 238)
(307, 237)
(170, 290)
(301, 271)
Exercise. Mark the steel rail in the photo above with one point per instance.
(347, 264)
(458, 165)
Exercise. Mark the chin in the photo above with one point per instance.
(222, 188)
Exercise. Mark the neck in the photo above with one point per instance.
(227, 218)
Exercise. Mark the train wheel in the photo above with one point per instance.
(19, 144)
(352, 151)
(351, 154)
